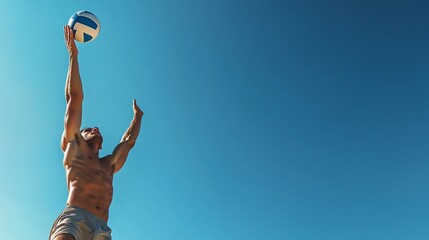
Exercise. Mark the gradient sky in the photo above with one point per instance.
(264, 120)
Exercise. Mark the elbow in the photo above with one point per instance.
(74, 97)
(131, 142)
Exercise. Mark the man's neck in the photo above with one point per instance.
(95, 147)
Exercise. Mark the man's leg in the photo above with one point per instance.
(64, 237)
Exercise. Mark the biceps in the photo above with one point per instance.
(72, 120)
(120, 155)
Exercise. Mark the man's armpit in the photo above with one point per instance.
(76, 138)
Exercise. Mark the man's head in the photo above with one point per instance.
(92, 135)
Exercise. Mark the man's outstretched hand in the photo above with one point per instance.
(69, 39)
(136, 109)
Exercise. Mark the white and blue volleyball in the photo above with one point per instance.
(85, 26)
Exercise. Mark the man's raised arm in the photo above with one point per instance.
(128, 139)
(73, 92)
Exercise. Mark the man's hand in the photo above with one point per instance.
(136, 109)
(69, 40)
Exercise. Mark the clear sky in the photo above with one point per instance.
(264, 120)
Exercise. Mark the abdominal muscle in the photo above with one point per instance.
(89, 182)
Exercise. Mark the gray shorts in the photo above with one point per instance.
(81, 224)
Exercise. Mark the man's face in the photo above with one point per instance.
(90, 134)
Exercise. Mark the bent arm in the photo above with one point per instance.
(128, 140)
(73, 92)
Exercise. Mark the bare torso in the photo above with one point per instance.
(89, 178)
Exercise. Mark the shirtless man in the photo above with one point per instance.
(89, 177)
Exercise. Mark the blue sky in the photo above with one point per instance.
(280, 120)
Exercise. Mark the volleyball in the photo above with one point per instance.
(85, 26)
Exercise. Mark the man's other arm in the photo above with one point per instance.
(128, 139)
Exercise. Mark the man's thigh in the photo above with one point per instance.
(64, 237)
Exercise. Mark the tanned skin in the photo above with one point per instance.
(89, 177)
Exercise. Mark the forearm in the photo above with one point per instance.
(73, 87)
(133, 130)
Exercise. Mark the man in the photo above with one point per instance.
(89, 177)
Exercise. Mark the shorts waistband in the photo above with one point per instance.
(87, 213)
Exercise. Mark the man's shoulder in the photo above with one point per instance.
(77, 139)
(107, 162)
(107, 157)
